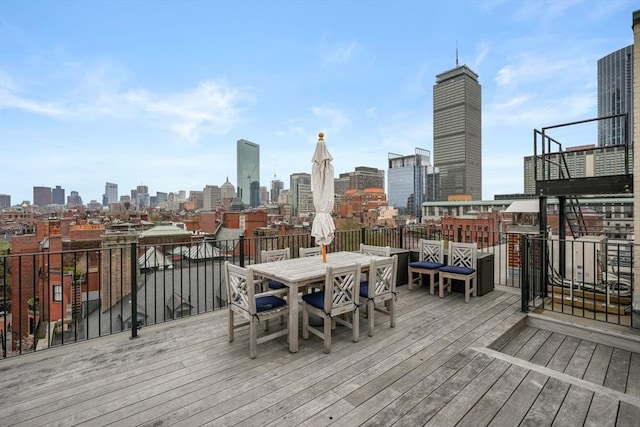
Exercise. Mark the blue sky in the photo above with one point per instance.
(158, 92)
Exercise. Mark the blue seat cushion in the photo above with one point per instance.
(274, 284)
(269, 303)
(457, 270)
(364, 289)
(426, 264)
(316, 299)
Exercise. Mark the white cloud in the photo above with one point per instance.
(209, 108)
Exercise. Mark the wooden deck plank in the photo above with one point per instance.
(383, 362)
(545, 407)
(423, 379)
(575, 406)
(528, 385)
(186, 408)
(454, 410)
(524, 344)
(400, 352)
(186, 373)
(604, 409)
(629, 414)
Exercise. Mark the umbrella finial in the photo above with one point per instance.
(320, 136)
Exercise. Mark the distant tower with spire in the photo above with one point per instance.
(457, 132)
(276, 187)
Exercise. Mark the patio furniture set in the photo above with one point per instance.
(334, 291)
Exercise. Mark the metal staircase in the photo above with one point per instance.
(553, 177)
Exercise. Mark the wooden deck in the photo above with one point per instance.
(446, 363)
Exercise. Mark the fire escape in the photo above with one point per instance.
(553, 178)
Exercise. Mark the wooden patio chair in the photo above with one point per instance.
(461, 265)
(271, 256)
(381, 289)
(312, 251)
(431, 259)
(255, 308)
(375, 250)
(338, 302)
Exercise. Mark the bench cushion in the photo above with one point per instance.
(274, 284)
(426, 264)
(268, 303)
(315, 299)
(457, 270)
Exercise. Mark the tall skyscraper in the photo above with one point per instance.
(276, 187)
(110, 193)
(41, 196)
(211, 197)
(300, 186)
(143, 199)
(248, 169)
(57, 195)
(5, 200)
(457, 132)
(412, 180)
(615, 96)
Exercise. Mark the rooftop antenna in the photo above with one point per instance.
(456, 53)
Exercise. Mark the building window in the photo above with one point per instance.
(57, 292)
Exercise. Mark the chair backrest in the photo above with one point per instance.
(312, 251)
(240, 287)
(342, 289)
(463, 254)
(382, 276)
(432, 250)
(275, 255)
(375, 250)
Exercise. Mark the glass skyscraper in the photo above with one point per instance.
(248, 185)
(411, 181)
(615, 96)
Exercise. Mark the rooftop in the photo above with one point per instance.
(445, 362)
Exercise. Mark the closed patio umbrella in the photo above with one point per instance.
(322, 228)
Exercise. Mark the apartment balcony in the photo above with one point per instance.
(446, 362)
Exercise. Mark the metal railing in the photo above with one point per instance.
(56, 298)
(590, 277)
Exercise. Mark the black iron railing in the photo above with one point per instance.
(55, 298)
(589, 277)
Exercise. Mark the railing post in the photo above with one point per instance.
(134, 290)
(524, 273)
(401, 237)
(362, 236)
(242, 251)
(459, 233)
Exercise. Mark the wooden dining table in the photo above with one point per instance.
(296, 273)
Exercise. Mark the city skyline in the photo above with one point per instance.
(158, 96)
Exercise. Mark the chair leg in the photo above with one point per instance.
(355, 323)
(467, 290)
(410, 280)
(441, 286)
(392, 312)
(328, 321)
(305, 323)
(432, 284)
(253, 338)
(370, 310)
(230, 332)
